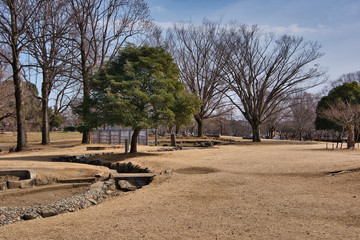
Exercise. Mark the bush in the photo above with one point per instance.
(70, 129)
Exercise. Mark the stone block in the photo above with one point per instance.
(20, 184)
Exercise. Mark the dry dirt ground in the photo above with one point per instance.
(241, 191)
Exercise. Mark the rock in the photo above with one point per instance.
(11, 150)
(167, 172)
(48, 212)
(109, 192)
(92, 201)
(110, 185)
(30, 216)
(126, 185)
(3, 186)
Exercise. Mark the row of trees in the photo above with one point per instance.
(77, 46)
(340, 110)
(65, 42)
(240, 66)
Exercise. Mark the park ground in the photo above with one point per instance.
(269, 190)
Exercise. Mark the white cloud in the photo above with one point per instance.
(157, 9)
(165, 25)
(293, 29)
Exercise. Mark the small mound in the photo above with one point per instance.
(196, 170)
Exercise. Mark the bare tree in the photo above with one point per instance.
(346, 115)
(263, 71)
(7, 105)
(200, 58)
(303, 113)
(346, 78)
(15, 18)
(100, 27)
(6, 93)
(48, 47)
(271, 123)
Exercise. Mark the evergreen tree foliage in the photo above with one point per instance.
(137, 88)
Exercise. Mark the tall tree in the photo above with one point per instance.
(200, 58)
(100, 27)
(263, 70)
(15, 18)
(136, 89)
(339, 110)
(303, 113)
(48, 47)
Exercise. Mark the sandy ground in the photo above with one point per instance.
(245, 191)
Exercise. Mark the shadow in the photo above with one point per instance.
(271, 142)
(29, 158)
(120, 157)
(306, 175)
(117, 157)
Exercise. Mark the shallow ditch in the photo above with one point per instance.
(333, 173)
(75, 194)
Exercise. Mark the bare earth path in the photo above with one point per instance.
(261, 191)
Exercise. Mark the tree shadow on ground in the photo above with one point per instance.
(119, 157)
(116, 157)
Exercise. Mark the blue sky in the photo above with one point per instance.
(334, 24)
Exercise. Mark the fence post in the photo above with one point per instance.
(147, 138)
(119, 136)
(126, 145)
(156, 137)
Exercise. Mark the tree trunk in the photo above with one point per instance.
(256, 132)
(85, 136)
(350, 140)
(20, 115)
(170, 128)
(177, 129)
(356, 134)
(15, 64)
(86, 89)
(86, 112)
(271, 133)
(200, 124)
(45, 131)
(134, 139)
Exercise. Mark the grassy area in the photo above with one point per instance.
(36, 136)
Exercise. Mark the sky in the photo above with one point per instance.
(335, 24)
